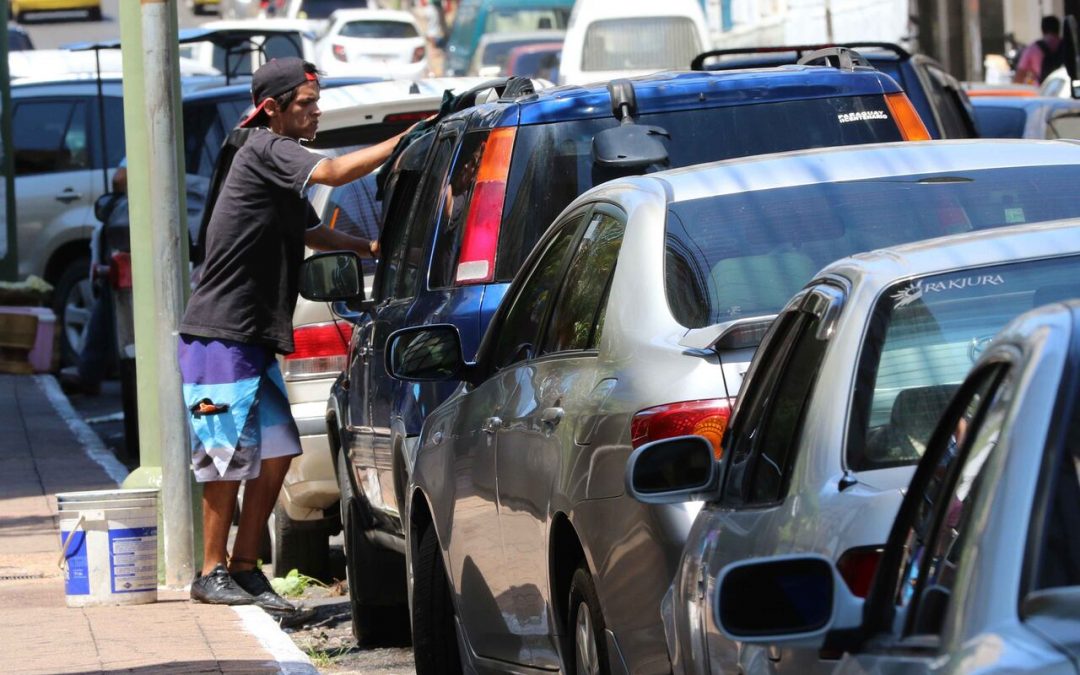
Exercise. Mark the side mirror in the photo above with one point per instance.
(425, 353)
(104, 205)
(672, 471)
(327, 277)
(631, 147)
(792, 600)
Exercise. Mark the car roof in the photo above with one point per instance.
(681, 90)
(41, 64)
(340, 105)
(372, 15)
(884, 267)
(1024, 102)
(858, 162)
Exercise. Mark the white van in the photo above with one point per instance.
(606, 40)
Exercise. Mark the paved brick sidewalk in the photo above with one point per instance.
(46, 449)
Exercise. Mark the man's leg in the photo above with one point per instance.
(219, 502)
(260, 494)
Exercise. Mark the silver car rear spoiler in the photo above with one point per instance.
(737, 334)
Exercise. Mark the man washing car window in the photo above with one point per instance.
(240, 317)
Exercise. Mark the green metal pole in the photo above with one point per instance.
(9, 251)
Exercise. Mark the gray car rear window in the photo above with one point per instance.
(745, 254)
(924, 335)
(553, 162)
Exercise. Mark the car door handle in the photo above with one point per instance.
(550, 417)
(492, 424)
(68, 195)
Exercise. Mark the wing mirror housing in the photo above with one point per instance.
(789, 600)
(673, 471)
(429, 353)
(332, 276)
(629, 147)
(105, 204)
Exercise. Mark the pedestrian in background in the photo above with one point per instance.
(1042, 57)
(240, 317)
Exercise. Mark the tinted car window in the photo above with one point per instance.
(617, 44)
(576, 319)
(352, 209)
(114, 131)
(321, 9)
(18, 40)
(206, 125)
(521, 327)
(995, 122)
(455, 209)
(924, 335)
(948, 102)
(1064, 125)
(50, 136)
(745, 254)
(1058, 562)
(553, 163)
(378, 29)
(408, 259)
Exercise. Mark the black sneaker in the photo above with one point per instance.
(218, 588)
(255, 582)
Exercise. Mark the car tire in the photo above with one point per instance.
(435, 644)
(585, 627)
(73, 298)
(95, 13)
(299, 545)
(372, 624)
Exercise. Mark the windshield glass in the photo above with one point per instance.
(521, 20)
(553, 163)
(640, 43)
(924, 335)
(379, 29)
(321, 9)
(746, 254)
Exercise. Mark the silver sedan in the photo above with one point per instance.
(634, 320)
(839, 405)
(981, 572)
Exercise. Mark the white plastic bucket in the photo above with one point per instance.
(109, 546)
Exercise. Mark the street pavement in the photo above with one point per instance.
(46, 448)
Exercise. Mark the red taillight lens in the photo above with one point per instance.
(708, 418)
(408, 116)
(857, 567)
(476, 264)
(321, 349)
(417, 54)
(120, 271)
(339, 52)
(911, 125)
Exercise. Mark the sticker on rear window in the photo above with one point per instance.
(1014, 216)
(908, 295)
(862, 116)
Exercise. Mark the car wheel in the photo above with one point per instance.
(588, 655)
(299, 545)
(95, 13)
(73, 297)
(372, 623)
(435, 645)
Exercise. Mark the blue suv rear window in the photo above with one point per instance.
(553, 162)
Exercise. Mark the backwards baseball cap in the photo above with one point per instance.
(272, 79)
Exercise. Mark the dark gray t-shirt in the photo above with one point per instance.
(254, 246)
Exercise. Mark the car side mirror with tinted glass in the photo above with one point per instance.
(333, 276)
(426, 354)
(104, 205)
(673, 470)
(790, 600)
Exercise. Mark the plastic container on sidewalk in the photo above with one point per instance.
(41, 353)
(109, 546)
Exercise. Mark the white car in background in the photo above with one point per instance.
(373, 42)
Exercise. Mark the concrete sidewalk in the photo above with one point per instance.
(45, 449)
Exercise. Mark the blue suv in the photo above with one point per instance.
(465, 203)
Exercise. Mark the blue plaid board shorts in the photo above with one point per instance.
(237, 408)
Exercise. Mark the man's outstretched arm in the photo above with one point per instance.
(322, 238)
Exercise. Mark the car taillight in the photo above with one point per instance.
(339, 53)
(911, 125)
(120, 271)
(857, 567)
(320, 349)
(408, 116)
(476, 264)
(708, 418)
(417, 54)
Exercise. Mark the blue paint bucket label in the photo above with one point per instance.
(76, 573)
(133, 559)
